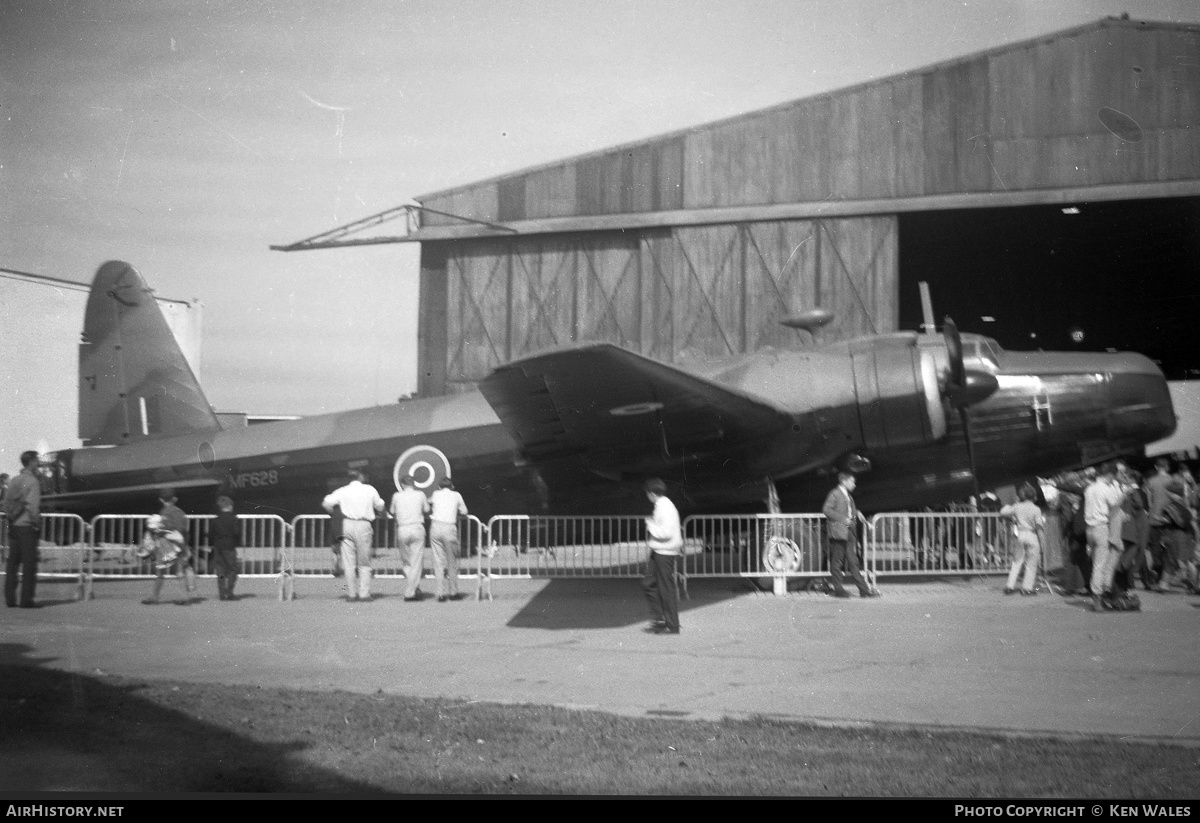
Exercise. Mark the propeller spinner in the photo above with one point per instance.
(964, 388)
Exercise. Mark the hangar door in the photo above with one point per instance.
(672, 294)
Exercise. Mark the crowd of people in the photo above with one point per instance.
(1120, 529)
(353, 509)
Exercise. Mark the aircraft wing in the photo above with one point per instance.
(620, 412)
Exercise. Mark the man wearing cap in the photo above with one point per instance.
(359, 503)
(842, 516)
(409, 508)
(447, 506)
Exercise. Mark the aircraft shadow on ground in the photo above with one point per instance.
(607, 604)
(62, 731)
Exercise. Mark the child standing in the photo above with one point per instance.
(226, 532)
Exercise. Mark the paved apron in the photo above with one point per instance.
(937, 654)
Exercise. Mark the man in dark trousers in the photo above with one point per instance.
(225, 535)
(22, 509)
(840, 511)
(661, 583)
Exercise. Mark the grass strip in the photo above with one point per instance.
(71, 732)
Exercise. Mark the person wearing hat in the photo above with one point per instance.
(842, 516)
(446, 505)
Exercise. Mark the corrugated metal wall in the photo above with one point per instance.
(1114, 102)
(672, 294)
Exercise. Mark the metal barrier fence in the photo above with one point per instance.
(563, 546)
(261, 544)
(114, 540)
(310, 551)
(921, 543)
(754, 545)
(757, 545)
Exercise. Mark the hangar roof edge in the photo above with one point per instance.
(1106, 22)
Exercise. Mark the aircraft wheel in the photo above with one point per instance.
(781, 555)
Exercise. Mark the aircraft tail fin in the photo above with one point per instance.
(134, 382)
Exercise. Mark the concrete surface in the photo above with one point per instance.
(951, 654)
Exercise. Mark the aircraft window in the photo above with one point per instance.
(989, 350)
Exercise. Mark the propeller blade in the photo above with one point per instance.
(954, 349)
(966, 424)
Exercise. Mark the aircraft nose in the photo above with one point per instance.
(1140, 402)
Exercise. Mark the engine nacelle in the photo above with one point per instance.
(899, 400)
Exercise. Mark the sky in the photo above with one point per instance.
(187, 137)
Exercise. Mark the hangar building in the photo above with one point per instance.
(697, 242)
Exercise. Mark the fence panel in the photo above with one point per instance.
(64, 551)
(260, 546)
(754, 545)
(310, 551)
(565, 546)
(115, 538)
(913, 543)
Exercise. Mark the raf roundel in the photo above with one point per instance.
(425, 464)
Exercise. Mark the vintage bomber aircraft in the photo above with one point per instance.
(926, 418)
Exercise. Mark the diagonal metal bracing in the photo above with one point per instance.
(659, 276)
(609, 307)
(849, 277)
(705, 295)
(766, 269)
(473, 304)
(538, 306)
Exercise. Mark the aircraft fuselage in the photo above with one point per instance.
(1050, 412)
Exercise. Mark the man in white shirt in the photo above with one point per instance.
(1100, 499)
(409, 508)
(661, 583)
(447, 506)
(359, 503)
